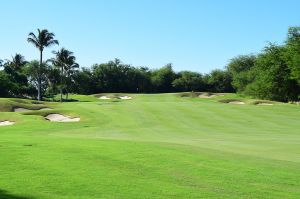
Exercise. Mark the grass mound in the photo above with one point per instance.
(262, 102)
(189, 94)
(9, 105)
(201, 94)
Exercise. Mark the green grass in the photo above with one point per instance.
(153, 146)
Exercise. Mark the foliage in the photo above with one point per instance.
(293, 52)
(220, 81)
(65, 61)
(273, 74)
(189, 81)
(37, 76)
(162, 79)
(5, 84)
(273, 77)
(240, 67)
(43, 39)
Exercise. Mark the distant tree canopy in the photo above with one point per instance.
(239, 68)
(272, 74)
(292, 54)
(189, 81)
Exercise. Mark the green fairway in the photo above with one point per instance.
(152, 146)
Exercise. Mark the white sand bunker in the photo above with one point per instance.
(264, 104)
(104, 98)
(125, 97)
(6, 123)
(236, 102)
(25, 109)
(61, 118)
(206, 95)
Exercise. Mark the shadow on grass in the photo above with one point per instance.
(5, 195)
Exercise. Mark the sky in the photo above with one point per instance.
(196, 35)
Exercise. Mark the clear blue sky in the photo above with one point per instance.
(198, 35)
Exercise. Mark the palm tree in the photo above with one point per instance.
(42, 40)
(66, 61)
(17, 62)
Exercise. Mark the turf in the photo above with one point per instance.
(153, 146)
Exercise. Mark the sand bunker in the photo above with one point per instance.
(104, 98)
(236, 102)
(61, 118)
(21, 110)
(125, 97)
(210, 95)
(205, 95)
(264, 104)
(25, 109)
(6, 123)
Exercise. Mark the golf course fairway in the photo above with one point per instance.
(150, 146)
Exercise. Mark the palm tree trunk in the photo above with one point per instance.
(39, 76)
(66, 89)
(61, 84)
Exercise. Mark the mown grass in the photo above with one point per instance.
(153, 146)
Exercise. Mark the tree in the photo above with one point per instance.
(13, 69)
(162, 79)
(292, 54)
(53, 77)
(66, 61)
(5, 85)
(143, 79)
(17, 62)
(188, 81)
(43, 39)
(115, 76)
(83, 82)
(273, 76)
(37, 75)
(220, 81)
(239, 68)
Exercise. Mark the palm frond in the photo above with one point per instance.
(51, 43)
(43, 39)
(32, 35)
(33, 39)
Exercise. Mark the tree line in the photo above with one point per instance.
(273, 74)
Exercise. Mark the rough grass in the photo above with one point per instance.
(189, 94)
(248, 101)
(8, 105)
(226, 101)
(155, 146)
(256, 102)
(196, 94)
